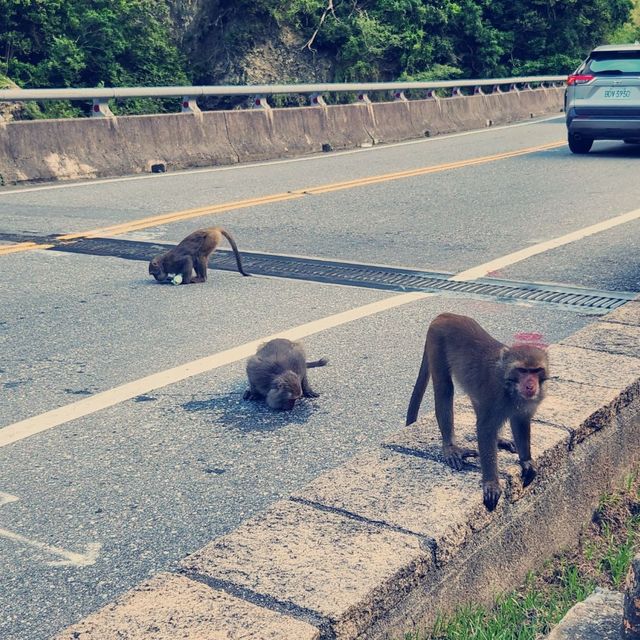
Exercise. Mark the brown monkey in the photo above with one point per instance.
(502, 383)
(192, 253)
(278, 372)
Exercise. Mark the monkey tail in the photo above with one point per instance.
(236, 253)
(317, 363)
(418, 390)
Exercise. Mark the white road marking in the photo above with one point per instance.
(6, 498)
(68, 558)
(523, 254)
(44, 421)
(237, 167)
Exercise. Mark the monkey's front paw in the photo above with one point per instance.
(528, 472)
(311, 394)
(491, 493)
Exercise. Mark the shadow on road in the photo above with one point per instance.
(248, 416)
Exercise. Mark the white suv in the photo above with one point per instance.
(602, 99)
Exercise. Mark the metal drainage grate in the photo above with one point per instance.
(372, 276)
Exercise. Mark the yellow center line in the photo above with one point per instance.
(431, 169)
(177, 216)
(22, 246)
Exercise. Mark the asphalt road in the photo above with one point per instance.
(153, 471)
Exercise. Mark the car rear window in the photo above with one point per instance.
(614, 63)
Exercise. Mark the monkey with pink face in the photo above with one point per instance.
(503, 383)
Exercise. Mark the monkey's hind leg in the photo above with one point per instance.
(453, 454)
(200, 266)
(307, 391)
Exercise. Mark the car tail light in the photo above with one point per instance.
(579, 79)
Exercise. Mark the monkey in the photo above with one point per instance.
(192, 253)
(503, 383)
(278, 373)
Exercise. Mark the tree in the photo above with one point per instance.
(387, 39)
(88, 43)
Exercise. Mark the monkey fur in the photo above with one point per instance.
(192, 253)
(503, 383)
(278, 374)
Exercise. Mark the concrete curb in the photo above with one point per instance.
(381, 544)
(100, 147)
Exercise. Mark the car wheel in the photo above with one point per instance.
(580, 145)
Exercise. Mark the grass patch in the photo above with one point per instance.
(602, 558)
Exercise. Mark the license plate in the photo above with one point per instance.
(620, 93)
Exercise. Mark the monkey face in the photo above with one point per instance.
(528, 382)
(526, 385)
(526, 373)
(155, 269)
(285, 390)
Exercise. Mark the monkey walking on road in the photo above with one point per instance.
(192, 253)
(278, 373)
(503, 383)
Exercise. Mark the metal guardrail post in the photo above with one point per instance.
(364, 97)
(190, 105)
(514, 87)
(477, 91)
(432, 94)
(496, 89)
(316, 100)
(260, 102)
(399, 96)
(456, 92)
(100, 108)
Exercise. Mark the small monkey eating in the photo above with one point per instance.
(193, 252)
(278, 374)
(503, 383)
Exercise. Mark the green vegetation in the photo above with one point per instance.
(387, 39)
(602, 558)
(630, 31)
(90, 43)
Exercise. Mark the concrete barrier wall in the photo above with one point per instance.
(94, 147)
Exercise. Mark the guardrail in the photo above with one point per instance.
(100, 96)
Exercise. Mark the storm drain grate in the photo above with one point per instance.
(372, 276)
